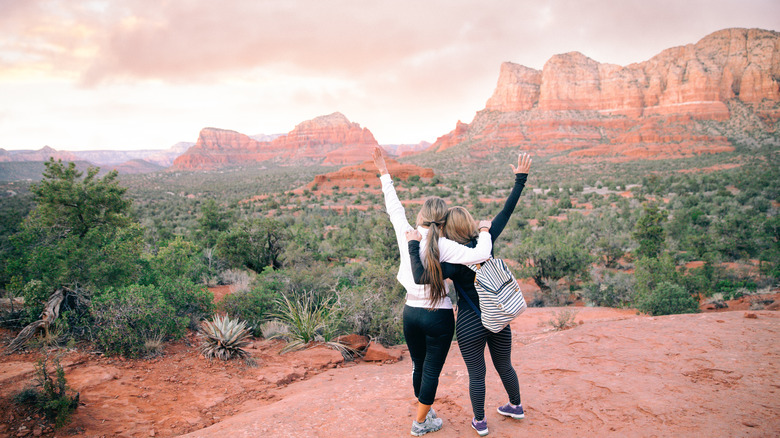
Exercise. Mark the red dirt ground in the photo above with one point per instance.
(615, 373)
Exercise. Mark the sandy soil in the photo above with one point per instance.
(615, 373)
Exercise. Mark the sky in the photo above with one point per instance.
(146, 74)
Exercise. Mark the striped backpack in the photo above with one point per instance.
(500, 297)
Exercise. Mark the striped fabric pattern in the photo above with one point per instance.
(472, 338)
(500, 297)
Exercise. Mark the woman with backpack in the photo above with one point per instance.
(472, 335)
(428, 320)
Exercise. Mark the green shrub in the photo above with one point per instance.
(189, 300)
(373, 302)
(373, 313)
(126, 319)
(179, 259)
(252, 306)
(667, 299)
(611, 290)
(53, 397)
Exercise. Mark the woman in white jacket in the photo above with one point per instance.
(428, 318)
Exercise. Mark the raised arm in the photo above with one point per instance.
(521, 175)
(393, 205)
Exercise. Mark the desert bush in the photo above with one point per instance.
(667, 299)
(373, 302)
(650, 272)
(253, 306)
(610, 290)
(240, 280)
(274, 330)
(51, 396)
(179, 259)
(373, 313)
(189, 300)
(554, 295)
(253, 243)
(563, 319)
(125, 318)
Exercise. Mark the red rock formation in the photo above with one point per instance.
(649, 109)
(365, 175)
(328, 139)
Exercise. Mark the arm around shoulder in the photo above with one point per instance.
(454, 252)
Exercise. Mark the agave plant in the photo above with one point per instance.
(224, 338)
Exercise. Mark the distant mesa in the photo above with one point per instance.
(137, 166)
(402, 150)
(41, 154)
(328, 140)
(685, 101)
(124, 161)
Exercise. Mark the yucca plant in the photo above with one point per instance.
(308, 321)
(224, 338)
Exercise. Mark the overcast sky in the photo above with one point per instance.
(145, 74)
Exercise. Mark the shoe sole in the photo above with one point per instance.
(427, 431)
(485, 432)
(515, 416)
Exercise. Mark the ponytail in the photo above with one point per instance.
(433, 215)
(433, 275)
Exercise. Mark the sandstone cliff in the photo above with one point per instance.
(330, 139)
(681, 102)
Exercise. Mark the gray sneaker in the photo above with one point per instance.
(431, 414)
(429, 425)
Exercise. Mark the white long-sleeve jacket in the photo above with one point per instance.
(449, 251)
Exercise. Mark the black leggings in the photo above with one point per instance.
(428, 334)
(472, 337)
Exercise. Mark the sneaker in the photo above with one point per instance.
(429, 425)
(480, 426)
(513, 411)
(431, 414)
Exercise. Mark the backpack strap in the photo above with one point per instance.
(468, 300)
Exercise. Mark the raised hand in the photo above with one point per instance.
(484, 224)
(413, 235)
(379, 160)
(523, 163)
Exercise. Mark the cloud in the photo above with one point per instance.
(195, 41)
(403, 63)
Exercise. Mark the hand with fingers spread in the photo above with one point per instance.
(523, 163)
(379, 160)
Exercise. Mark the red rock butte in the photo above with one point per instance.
(330, 139)
(679, 103)
(365, 175)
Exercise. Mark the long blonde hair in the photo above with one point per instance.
(461, 226)
(433, 215)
